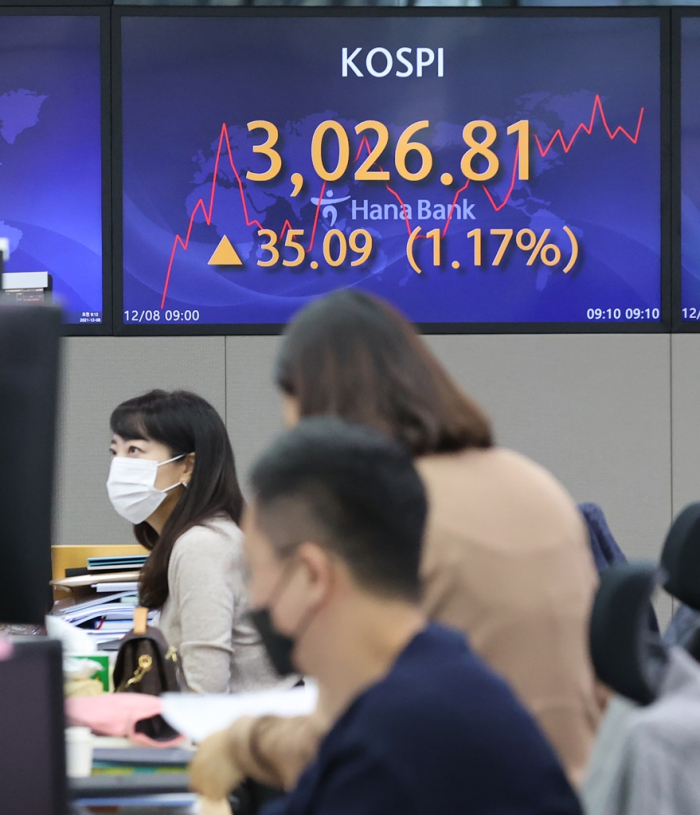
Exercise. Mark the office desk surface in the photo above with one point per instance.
(75, 556)
(162, 805)
(158, 805)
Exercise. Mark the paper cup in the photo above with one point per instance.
(78, 752)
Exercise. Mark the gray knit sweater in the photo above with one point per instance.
(204, 616)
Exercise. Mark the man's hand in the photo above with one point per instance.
(272, 750)
(214, 771)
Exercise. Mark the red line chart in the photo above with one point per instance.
(224, 140)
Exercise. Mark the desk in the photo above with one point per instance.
(76, 556)
(188, 804)
(166, 805)
(140, 793)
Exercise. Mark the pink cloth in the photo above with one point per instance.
(116, 714)
(5, 648)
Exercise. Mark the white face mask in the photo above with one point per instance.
(131, 487)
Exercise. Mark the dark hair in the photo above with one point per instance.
(354, 356)
(353, 491)
(184, 423)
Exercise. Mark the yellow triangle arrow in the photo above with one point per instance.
(225, 255)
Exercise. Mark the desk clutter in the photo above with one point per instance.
(99, 599)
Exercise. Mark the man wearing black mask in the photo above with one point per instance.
(417, 723)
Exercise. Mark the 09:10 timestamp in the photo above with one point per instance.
(623, 314)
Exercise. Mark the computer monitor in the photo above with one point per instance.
(26, 287)
(32, 747)
(54, 172)
(29, 342)
(482, 172)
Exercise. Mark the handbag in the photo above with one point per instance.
(145, 664)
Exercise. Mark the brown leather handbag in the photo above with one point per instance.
(145, 664)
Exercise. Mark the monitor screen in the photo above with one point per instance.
(51, 160)
(479, 172)
(690, 174)
(32, 752)
(29, 369)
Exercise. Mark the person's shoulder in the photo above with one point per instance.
(499, 476)
(444, 684)
(218, 536)
(530, 474)
(435, 663)
(480, 461)
(439, 705)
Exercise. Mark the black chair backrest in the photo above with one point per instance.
(627, 656)
(29, 346)
(680, 557)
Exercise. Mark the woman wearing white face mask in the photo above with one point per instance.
(173, 476)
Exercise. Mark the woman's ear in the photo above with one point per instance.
(189, 468)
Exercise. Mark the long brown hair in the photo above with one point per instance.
(184, 423)
(354, 356)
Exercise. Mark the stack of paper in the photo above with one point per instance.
(126, 563)
(106, 588)
(80, 580)
(131, 760)
(102, 596)
(104, 618)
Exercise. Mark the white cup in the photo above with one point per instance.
(78, 752)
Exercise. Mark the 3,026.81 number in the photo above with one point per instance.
(406, 145)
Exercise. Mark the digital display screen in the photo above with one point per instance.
(51, 156)
(469, 169)
(690, 172)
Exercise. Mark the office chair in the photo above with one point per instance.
(680, 557)
(627, 656)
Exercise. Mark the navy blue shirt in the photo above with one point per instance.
(441, 734)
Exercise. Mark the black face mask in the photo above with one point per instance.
(278, 646)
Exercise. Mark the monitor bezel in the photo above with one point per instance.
(678, 325)
(101, 12)
(662, 326)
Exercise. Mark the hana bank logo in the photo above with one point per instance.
(328, 203)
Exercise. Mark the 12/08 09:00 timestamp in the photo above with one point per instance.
(171, 315)
(623, 314)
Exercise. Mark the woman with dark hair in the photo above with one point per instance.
(506, 557)
(173, 476)
(354, 356)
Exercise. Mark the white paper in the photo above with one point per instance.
(80, 668)
(128, 587)
(74, 640)
(198, 716)
(77, 608)
(95, 578)
(113, 611)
